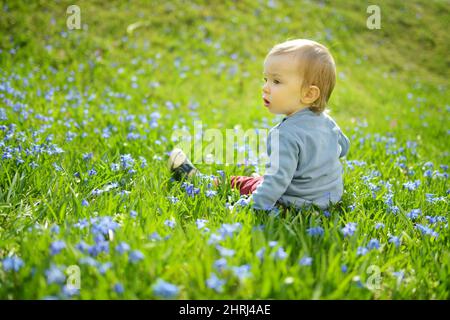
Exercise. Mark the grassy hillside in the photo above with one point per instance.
(136, 72)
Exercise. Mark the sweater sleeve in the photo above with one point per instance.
(344, 143)
(283, 162)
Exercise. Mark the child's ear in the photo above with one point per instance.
(310, 95)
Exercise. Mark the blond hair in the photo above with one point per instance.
(316, 66)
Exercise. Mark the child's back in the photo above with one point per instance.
(304, 166)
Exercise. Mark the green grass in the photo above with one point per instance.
(392, 92)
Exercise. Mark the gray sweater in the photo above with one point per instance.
(304, 166)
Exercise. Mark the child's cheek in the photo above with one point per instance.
(275, 93)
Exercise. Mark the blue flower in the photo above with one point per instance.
(54, 229)
(124, 193)
(155, 236)
(133, 214)
(211, 193)
(272, 243)
(215, 283)
(165, 289)
(428, 164)
(3, 116)
(82, 246)
(173, 199)
(395, 240)
(242, 272)
(388, 199)
(305, 261)
(399, 275)
(87, 156)
(435, 219)
(357, 163)
(88, 261)
(432, 199)
(70, 291)
(200, 223)
(97, 192)
(414, 214)
(224, 252)
(84, 203)
(57, 167)
(344, 268)
(379, 225)
(12, 263)
(427, 230)
(126, 161)
(135, 256)
(190, 189)
(118, 288)
(122, 247)
(373, 244)
(81, 224)
(170, 223)
(349, 229)
(361, 251)
(55, 275)
(242, 202)
(205, 230)
(102, 225)
(56, 247)
(280, 254)
(260, 253)
(411, 186)
(102, 268)
(110, 186)
(373, 187)
(143, 161)
(221, 173)
(315, 231)
(133, 136)
(228, 229)
(220, 264)
(99, 247)
(6, 155)
(393, 209)
(441, 175)
(428, 174)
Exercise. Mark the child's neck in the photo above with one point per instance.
(299, 109)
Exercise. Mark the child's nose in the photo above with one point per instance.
(265, 88)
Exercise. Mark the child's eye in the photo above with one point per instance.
(274, 81)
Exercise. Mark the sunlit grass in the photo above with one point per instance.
(120, 96)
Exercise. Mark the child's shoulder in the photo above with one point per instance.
(309, 120)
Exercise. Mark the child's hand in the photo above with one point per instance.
(255, 175)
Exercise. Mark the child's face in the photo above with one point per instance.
(281, 90)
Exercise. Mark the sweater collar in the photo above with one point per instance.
(298, 113)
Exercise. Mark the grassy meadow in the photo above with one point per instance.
(88, 207)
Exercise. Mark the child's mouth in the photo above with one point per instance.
(266, 102)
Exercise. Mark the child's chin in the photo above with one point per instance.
(274, 111)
